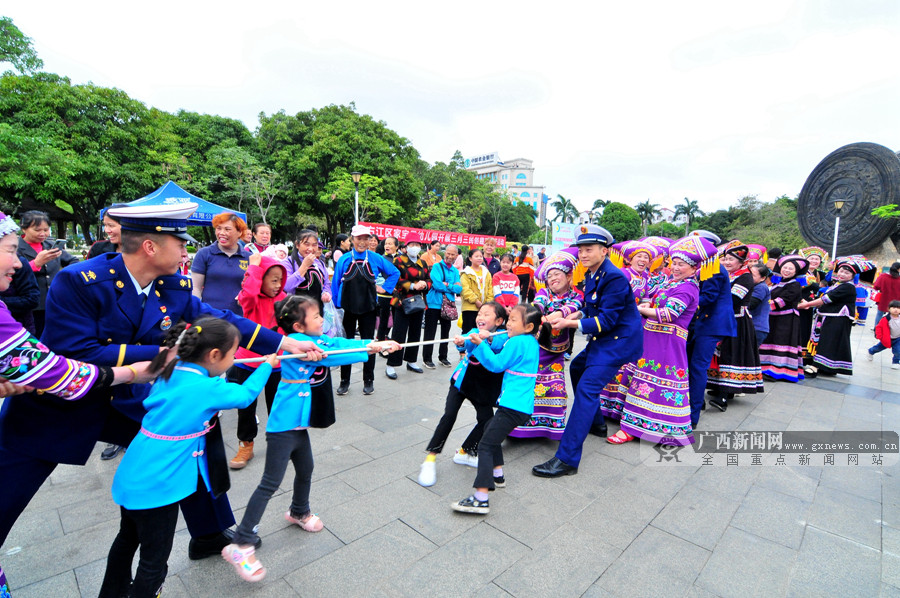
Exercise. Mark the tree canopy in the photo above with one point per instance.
(622, 221)
(16, 48)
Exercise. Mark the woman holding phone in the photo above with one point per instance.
(45, 257)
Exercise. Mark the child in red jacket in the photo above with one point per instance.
(888, 331)
(262, 286)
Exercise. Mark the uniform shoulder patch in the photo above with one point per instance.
(175, 282)
(90, 275)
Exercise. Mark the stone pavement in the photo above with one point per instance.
(620, 527)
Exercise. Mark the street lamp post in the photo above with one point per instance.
(356, 176)
(838, 204)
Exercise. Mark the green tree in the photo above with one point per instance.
(517, 222)
(690, 210)
(664, 229)
(771, 225)
(316, 148)
(622, 221)
(565, 209)
(456, 200)
(647, 211)
(719, 222)
(373, 206)
(96, 145)
(16, 48)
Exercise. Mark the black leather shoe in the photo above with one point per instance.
(720, 403)
(429, 364)
(444, 362)
(414, 368)
(553, 468)
(111, 451)
(390, 372)
(343, 389)
(368, 387)
(207, 546)
(599, 431)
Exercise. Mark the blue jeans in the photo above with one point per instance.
(895, 348)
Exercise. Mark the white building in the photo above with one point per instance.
(515, 177)
(668, 215)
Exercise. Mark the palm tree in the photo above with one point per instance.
(647, 211)
(690, 210)
(565, 209)
(596, 210)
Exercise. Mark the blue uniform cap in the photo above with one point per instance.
(169, 220)
(589, 234)
(705, 234)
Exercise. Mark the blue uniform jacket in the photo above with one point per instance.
(161, 464)
(496, 344)
(94, 314)
(379, 265)
(715, 316)
(293, 400)
(518, 361)
(610, 318)
(445, 282)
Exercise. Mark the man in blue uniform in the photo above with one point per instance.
(114, 310)
(713, 321)
(614, 329)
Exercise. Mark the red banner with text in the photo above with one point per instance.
(392, 230)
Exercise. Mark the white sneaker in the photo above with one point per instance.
(869, 356)
(427, 474)
(895, 366)
(463, 458)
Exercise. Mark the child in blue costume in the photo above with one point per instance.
(287, 436)
(166, 463)
(472, 381)
(518, 360)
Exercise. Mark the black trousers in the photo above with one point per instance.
(455, 399)
(407, 329)
(490, 454)
(151, 529)
(366, 324)
(247, 428)
(384, 317)
(432, 319)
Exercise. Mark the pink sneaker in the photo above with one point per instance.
(310, 524)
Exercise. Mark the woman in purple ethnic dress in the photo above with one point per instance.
(638, 256)
(550, 396)
(657, 405)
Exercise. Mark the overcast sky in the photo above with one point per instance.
(623, 101)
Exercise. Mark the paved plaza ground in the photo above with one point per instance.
(623, 526)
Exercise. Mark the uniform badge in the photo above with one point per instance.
(243, 264)
(166, 323)
(162, 308)
(120, 284)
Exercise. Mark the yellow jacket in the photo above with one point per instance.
(476, 287)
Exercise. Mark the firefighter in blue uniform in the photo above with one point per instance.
(713, 321)
(614, 328)
(114, 310)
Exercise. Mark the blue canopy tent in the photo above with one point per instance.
(172, 194)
